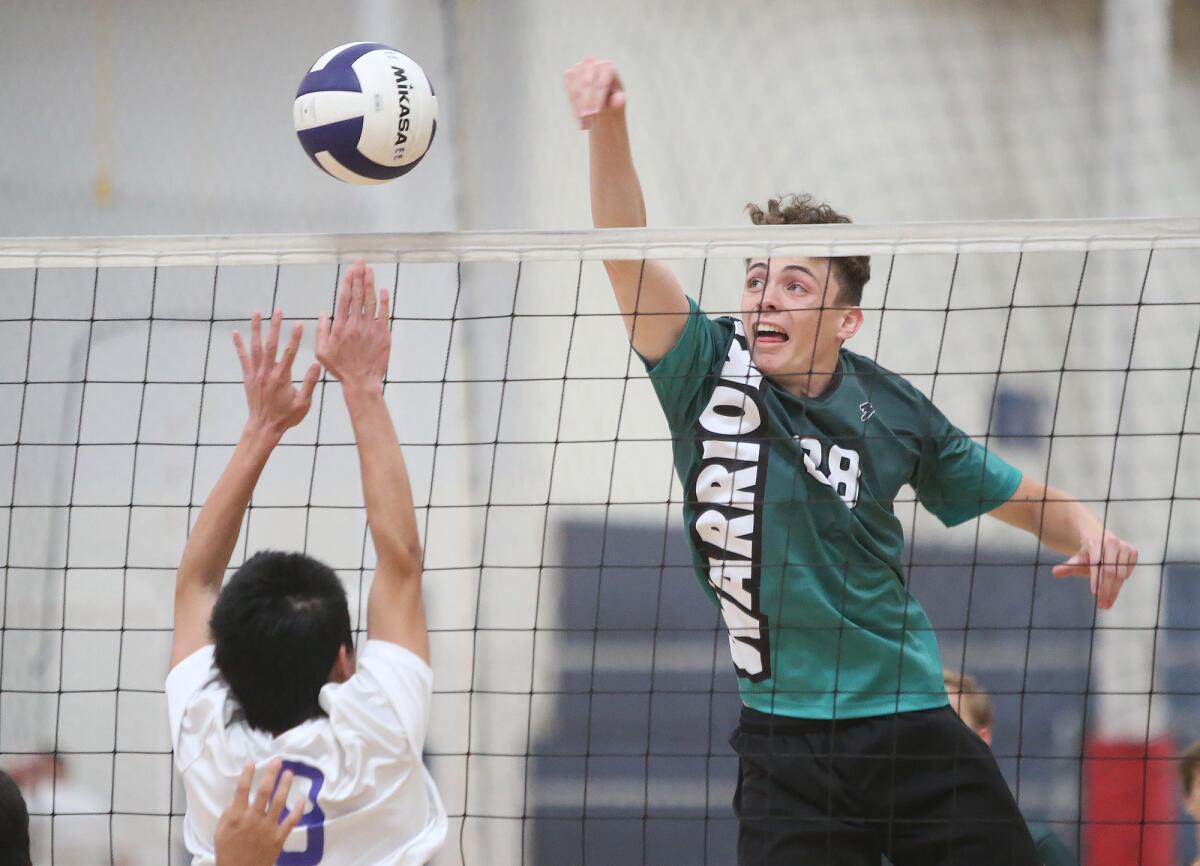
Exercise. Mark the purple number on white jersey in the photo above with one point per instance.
(312, 821)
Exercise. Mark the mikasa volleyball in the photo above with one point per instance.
(365, 113)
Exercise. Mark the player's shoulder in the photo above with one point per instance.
(888, 397)
(872, 377)
(389, 693)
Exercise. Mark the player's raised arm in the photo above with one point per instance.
(275, 405)
(1065, 524)
(354, 347)
(649, 295)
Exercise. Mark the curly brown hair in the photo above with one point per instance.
(852, 271)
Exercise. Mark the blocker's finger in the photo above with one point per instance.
(290, 822)
(310, 382)
(241, 794)
(322, 332)
(243, 355)
(385, 305)
(345, 293)
(266, 785)
(369, 300)
(279, 797)
(256, 350)
(272, 345)
(356, 297)
(293, 346)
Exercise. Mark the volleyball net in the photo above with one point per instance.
(583, 689)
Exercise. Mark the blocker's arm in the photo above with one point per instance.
(355, 348)
(1065, 524)
(649, 295)
(275, 405)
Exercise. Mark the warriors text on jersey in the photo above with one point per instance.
(788, 504)
(370, 799)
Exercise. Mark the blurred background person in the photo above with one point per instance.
(1189, 775)
(80, 817)
(975, 707)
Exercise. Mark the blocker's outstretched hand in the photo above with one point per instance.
(275, 403)
(355, 345)
(594, 89)
(252, 834)
(1107, 561)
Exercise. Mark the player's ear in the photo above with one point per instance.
(985, 734)
(849, 323)
(343, 665)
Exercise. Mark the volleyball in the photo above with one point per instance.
(365, 113)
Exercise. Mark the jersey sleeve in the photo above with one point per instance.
(956, 478)
(195, 698)
(388, 698)
(682, 377)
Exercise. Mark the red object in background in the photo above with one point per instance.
(1129, 803)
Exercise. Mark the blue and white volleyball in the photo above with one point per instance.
(365, 113)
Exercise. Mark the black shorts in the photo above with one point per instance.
(918, 787)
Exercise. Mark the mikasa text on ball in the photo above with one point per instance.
(365, 113)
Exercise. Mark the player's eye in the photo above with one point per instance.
(754, 284)
(796, 287)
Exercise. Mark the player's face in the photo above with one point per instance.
(793, 318)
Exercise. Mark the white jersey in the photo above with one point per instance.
(370, 799)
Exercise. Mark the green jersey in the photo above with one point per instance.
(788, 506)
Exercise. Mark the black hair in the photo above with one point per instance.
(277, 627)
(14, 824)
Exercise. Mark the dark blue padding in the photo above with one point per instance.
(338, 74)
(341, 141)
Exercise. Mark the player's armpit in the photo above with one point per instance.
(396, 612)
(193, 608)
(652, 304)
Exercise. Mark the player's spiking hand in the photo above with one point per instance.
(594, 89)
(1107, 561)
(252, 834)
(355, 345)
(275, 403)
(650, 297)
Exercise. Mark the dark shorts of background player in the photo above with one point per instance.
(919, 787)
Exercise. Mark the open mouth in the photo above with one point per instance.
(767, 334)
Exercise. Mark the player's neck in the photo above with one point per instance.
(811, 383)
(806, 385)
